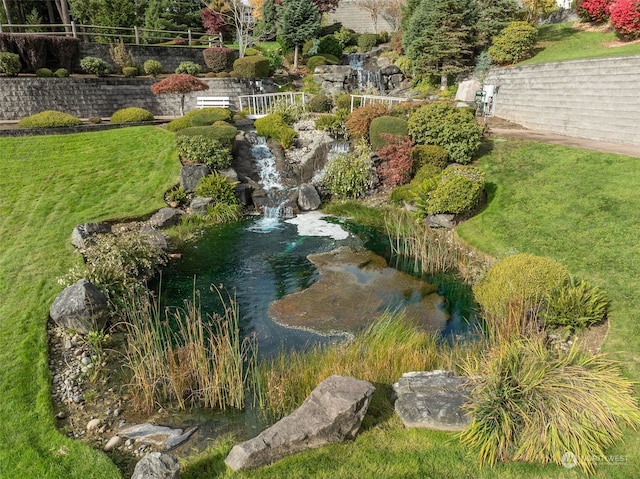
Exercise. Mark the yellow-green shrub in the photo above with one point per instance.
(252, 67)
(132, 114)
(273, 126)
(49, 119)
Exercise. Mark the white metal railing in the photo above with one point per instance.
(261, 105)
(365, 99)
(135, 34)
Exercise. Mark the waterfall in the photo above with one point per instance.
(365, 79)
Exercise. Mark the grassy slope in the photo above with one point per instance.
(47, 186)
(561, 42)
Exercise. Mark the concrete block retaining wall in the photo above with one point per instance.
(87, 97)
(596, 99)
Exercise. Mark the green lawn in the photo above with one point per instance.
(48, 185)
(561, 42)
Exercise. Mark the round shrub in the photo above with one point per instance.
(429, 155)
(520, 282)
(274, 126)
(200, 149)
(44, 73)
(514, 44)
(152, 67)
(456, 190)
(223, 74)
(251, 52)
(190, 68)
(454, 129)
(314, 62)
(329, 44)
(132, 114)
(252, 67)
(343, 101)
(219, 59)
(360, 119)
(224, 133)
(345, 37)
(391, 125)
(185, 121)
(10, 64)
(597, 11)
(625, 18)
(383, 37)
(575, 305)
(348, 176)
(218, 187)
(61, 73)
(367, 41)
(130, 72)
(94, 120)
(320, 103)
(49, 119)
(208, 116)
(96, 66)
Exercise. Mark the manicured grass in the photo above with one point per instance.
(48, 185)
(561, 42)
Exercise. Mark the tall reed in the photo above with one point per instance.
(179, 359)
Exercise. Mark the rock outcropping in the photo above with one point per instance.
(81, 307)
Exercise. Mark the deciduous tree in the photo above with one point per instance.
(180, 83)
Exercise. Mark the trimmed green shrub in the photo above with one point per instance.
(96, 66)
(200, 149)
(429, 155)
(223, 74)
(223, 133)
(348, 175)
(218, 187)
(213, 114)
(456, 190)
(330, 44)
(390, 125)
(533, 404)
(409, 193)
(314, 62)
(367, 41)
(190, 68)
(130, 72)
(514, 44)
(518, 285)
(251, 52)
(10, 64)
(49, 119)
(343, 101)
(360, 119)
(132, 114)
(454, 129)
(61, 73)
(44, 73)
(575, 305)
(252, 67)
(152, 67)
(274, 126)
(320, 103)
(219, 59)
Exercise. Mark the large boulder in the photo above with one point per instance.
(155, 237)
(81, 307)
(308, 197)
(332, 413)
(166, 217)
(467, 90)
(82, 234)
(433, 400)
(191, 174)
(200, 205)
(157, 465)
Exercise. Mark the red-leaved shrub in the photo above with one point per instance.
(397, 160)
(625, 18)
(181, 83)
(595, 10)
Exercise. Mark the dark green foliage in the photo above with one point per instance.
(36, 51)
(391, 125)
(95, 65)
(576, 305)
(201, 149)
(218, 187)
(132, 114)
(299, 20)
(367, 41)
(408, 193)
(44, 73)
(456, 190)
(329, 44)
(225, 134)
(49, 119)
(348, 176)
(346, 37)
(493, 17)
(219, 59)
(320, 103)
(429, 155)
(343, 101)
(252, 67)
(333, 124)
(61, 73)
(152, 67)
(214, 114)
(130, 72)
(310, 48)
(190, 68)
(439, 38)
(274, 126)
(514, 44)
(454, 129)
(10, 64)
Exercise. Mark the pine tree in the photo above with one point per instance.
(299, 21)
(494, 16)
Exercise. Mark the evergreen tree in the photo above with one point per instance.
(493, 17)
(299, 21)
(440, 37)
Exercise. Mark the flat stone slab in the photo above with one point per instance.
(332, 413)
(160, 436)
(433, 400)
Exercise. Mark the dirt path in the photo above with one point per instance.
(502, 128)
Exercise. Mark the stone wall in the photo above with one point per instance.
(86, 97)
(352, 16)
(596, 99)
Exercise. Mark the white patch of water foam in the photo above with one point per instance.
(313, 224)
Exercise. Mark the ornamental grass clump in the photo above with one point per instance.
(575, 305)
(535, 404)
